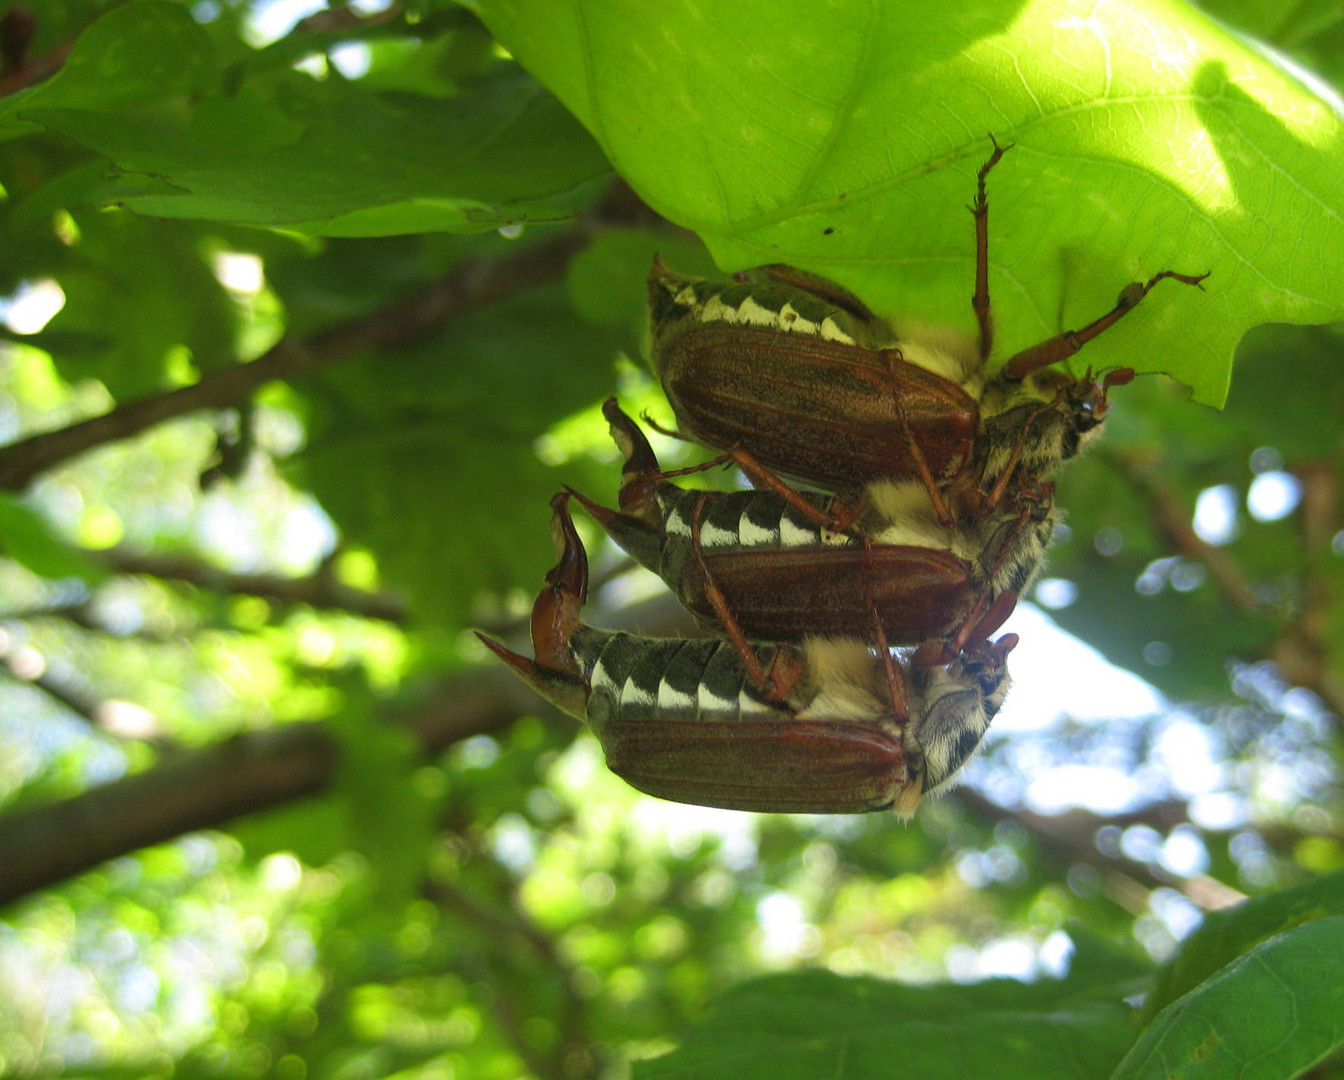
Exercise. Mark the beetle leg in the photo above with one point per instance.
(844, 510)
(1066, 344)
(989, 611)
(669, 432)
(945, 517)
(762, 477)
(988, 624)
(900, 703)
(942, 651)
(984, 620)
(774, 683)
(980, 209)
(641, 472)
(704, 466)
(1035, 497)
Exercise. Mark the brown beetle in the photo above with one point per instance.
(750, 564)
(683, 720)
(796, 378)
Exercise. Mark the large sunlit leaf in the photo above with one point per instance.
(845, 139)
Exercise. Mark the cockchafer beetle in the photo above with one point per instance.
(797, 378)
(682, 719)
(751, 565)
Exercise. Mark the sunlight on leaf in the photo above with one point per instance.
(1146, 137)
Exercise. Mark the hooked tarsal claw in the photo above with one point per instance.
(566, 692)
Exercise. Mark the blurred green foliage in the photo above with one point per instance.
(277, 814)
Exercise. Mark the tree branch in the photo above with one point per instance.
(1172, 520)
(1071, 838)
(118, 719)
(471, 284)
(318, 590)
(1302, 649)
(191, 790)
(212, 786)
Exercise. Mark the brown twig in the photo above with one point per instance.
(1071, 838)
(1172, 520)
(25, 665)
(345, 20)
(470, 285)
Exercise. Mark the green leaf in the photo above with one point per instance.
(599, 275)
(135, 292)
(1147, 137)
(313, 830)
(815, 1024)
(26, 537)
(1225, 935)
(1269, 1015)
(1273, 406)
(1100, 962)
(334, 159)
(426, 455)
(133, 55)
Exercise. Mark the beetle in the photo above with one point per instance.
(815, 399)
(682, 719)
(750, 564)
(796, 378)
